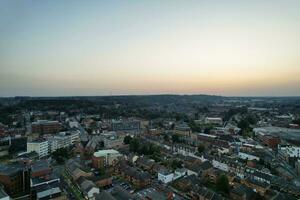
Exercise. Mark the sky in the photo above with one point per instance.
(116, 47)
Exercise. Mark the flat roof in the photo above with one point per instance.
(105, 152)
(2, 193)
(207, 135)
(48, 192)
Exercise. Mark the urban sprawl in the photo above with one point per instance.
(156, 147)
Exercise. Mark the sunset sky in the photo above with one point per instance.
(225, 47)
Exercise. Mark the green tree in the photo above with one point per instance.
(223, 184)
(201, 148)
(176, 164)
(127, 139)
(207, 130)
(61, 154)
(176, 138)
(134, 145)
(166, 138)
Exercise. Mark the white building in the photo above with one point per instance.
(290, 151)
(246, 156)
(41, 147)
(179, 173)
(213, 120)
(73, 124)
(219, 165)
(63, 140)
(165, 176)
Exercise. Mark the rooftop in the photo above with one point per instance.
(105, 152)
(2, 193)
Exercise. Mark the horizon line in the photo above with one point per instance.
(156, 94)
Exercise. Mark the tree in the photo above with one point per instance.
(223, 184)
(127, 139)
(201, 148)
(175, 138)
(207, 130)
(134, 145)
(296, 121)
(244, 125)
(195, 127)
(172, 126)
(60, 155)
(176, 164)
(166, 138)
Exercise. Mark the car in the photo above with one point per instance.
(131, 191)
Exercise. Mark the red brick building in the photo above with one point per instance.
(46, 127)
(271, 141)
(15, 179)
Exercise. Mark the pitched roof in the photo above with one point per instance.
(104, 196)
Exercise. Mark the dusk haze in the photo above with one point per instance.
(79, 48)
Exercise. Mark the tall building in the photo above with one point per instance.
(15, 179)
(40, 146)
(46, 127)
(63, 139)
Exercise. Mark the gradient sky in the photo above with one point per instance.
(225, 47)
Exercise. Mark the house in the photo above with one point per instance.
(104, 195)
(88, 188)
(76, 169)
(102, 181)
(258, 175)
(145, 163)
(260, 187)
(202, 169)
(165, 176)
(203, 193)
(117, 193)
(133, 175)
(185, 184)
(242, 192)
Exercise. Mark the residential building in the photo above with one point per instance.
(112, 139)
(45, 127)
(40, 146)
(63, 140)
(4, 146)
(271, 141)
(213, 120)
(103, 158)
(289, 151)
(165, 176)
(88, 188)
(126, 125)
(248, 156)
